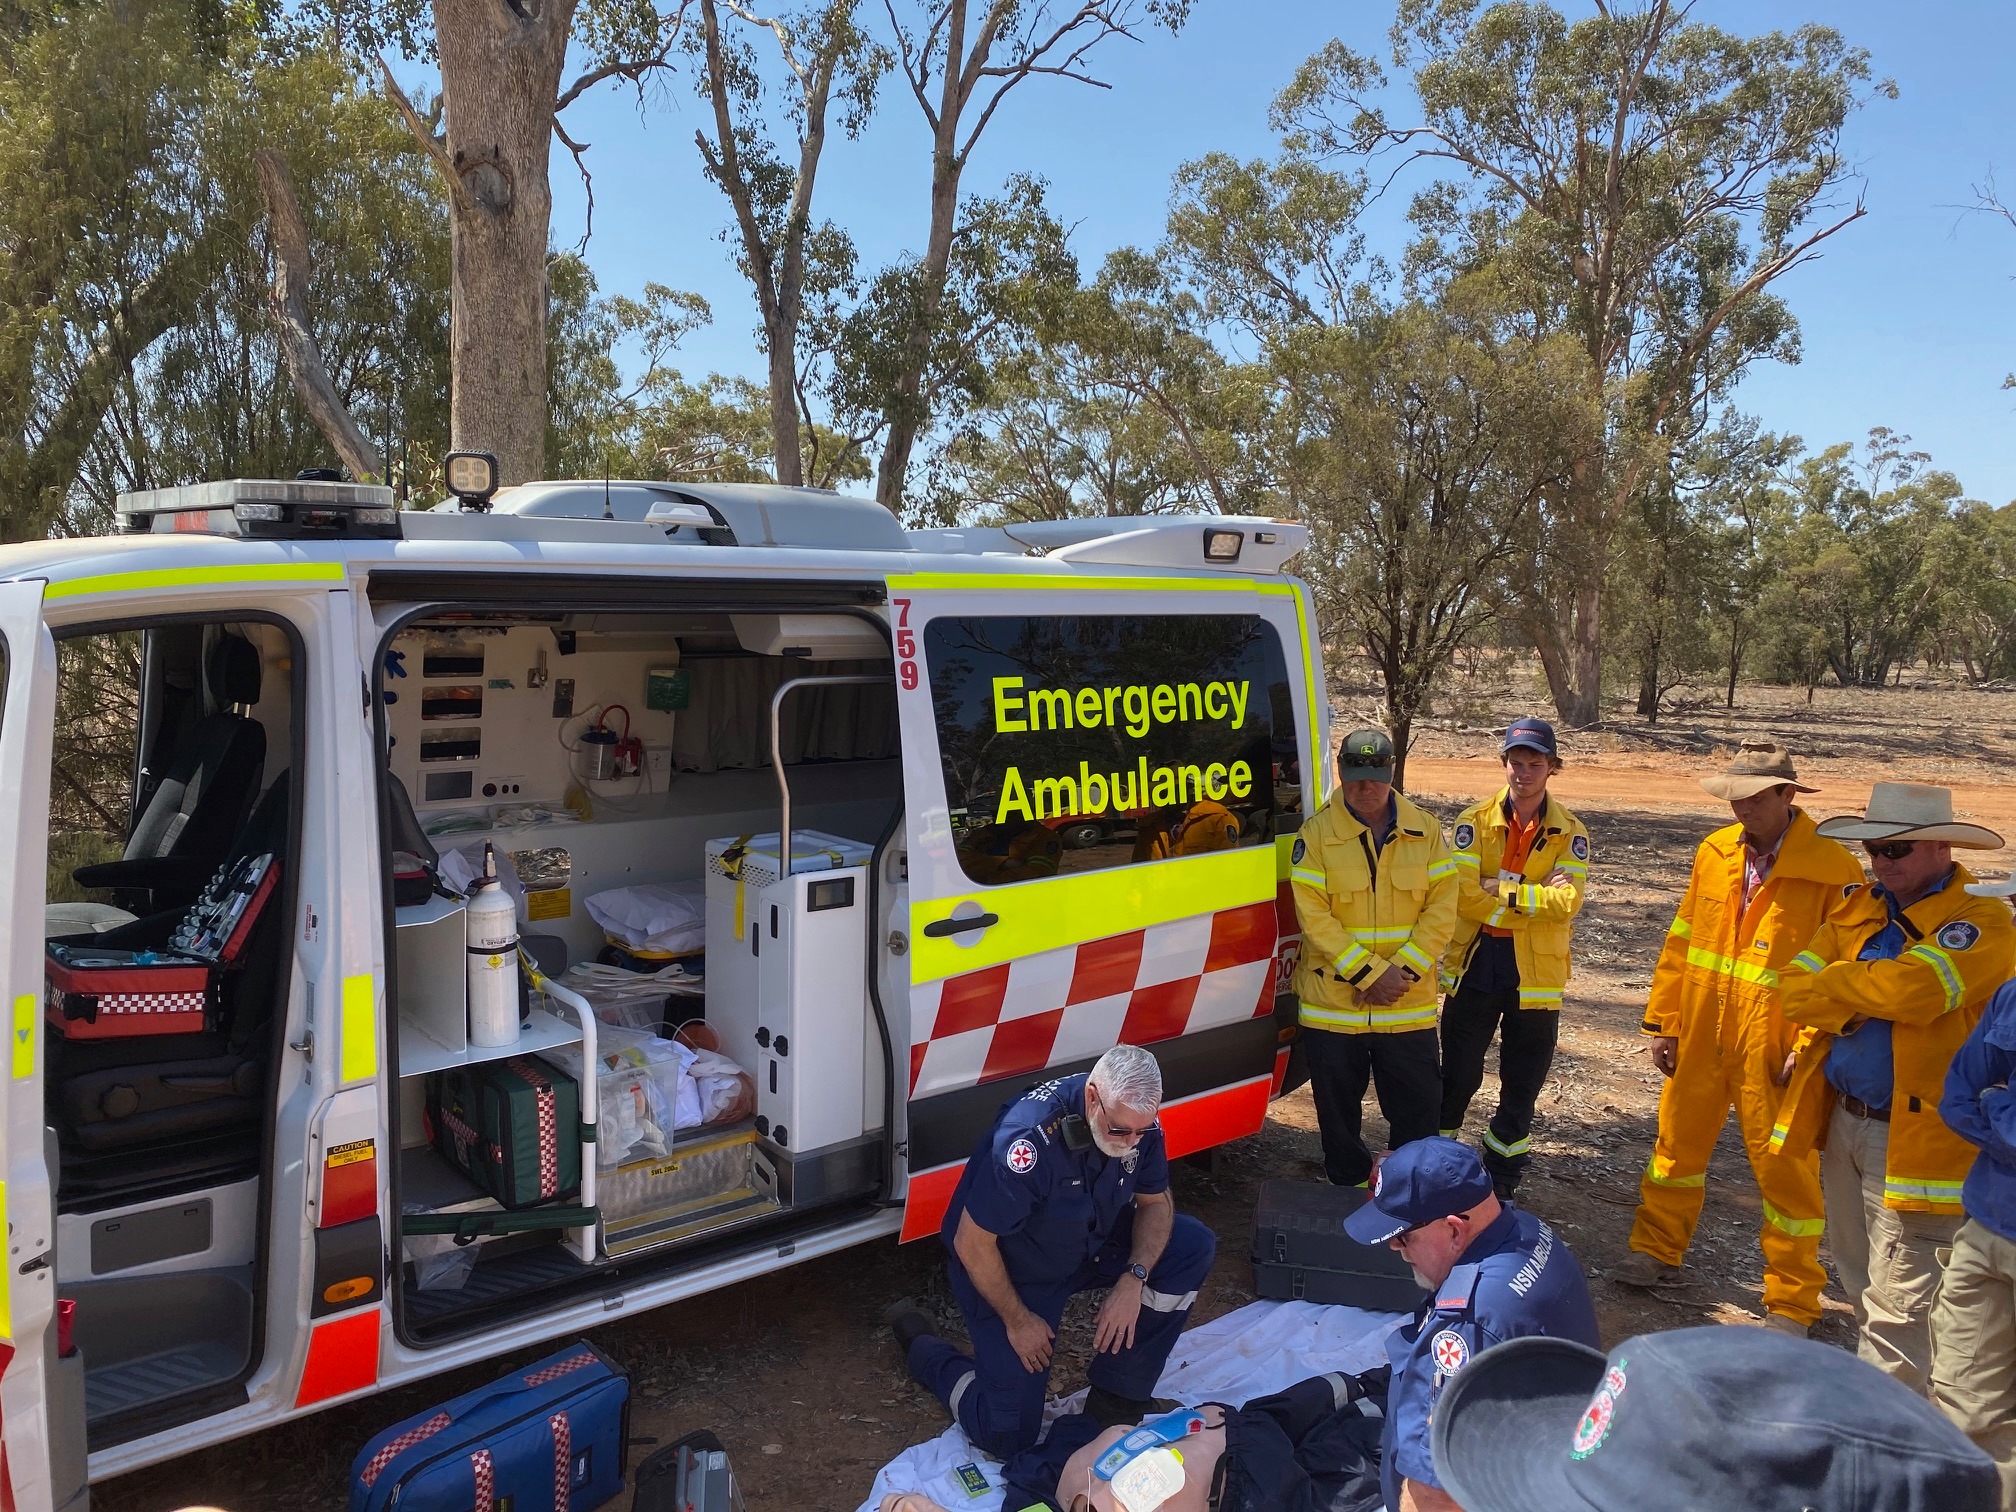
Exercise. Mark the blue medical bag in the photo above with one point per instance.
(548, 1438)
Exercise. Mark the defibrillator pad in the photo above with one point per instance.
(1170, 1428)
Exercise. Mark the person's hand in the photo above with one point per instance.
(1784, 1072)
(1388, 989)
(1117, 1316)
(1029, 1336)
(1560, 879)
(1666, 1053)
(1490, 885)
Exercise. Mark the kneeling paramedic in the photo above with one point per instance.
(1493, 1272)
(1068, 1192)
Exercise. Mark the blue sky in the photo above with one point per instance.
(1909, 317)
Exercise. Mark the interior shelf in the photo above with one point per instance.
(419, 1053)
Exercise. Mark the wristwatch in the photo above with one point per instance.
(1138, 1272)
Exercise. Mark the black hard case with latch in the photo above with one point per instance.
(1302, 1254)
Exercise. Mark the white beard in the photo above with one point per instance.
(1112, 1149)
(1420, 1280)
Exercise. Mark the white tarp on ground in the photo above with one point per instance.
(1259, 1348)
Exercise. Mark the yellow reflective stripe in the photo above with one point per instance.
(1798, 1228)
(1015, 582)
(1415, 956)
(1778, 1133)
(1365, 1018)
(1680, 929)
(1468, 858)
(1531, 995)
(1573, 868)
(1051, 913)
(1382, 936)
(1308, 878)
(1497, 918)
(1949, 974)
(25, 1025)
(359, 1057)
(198, 577)
(1922, 1188)
(1529, 897)
(1311, 734)
(1743, 971)
(1352, 959)
(1660, 1178)
(1517, 1147)
(1437, 870)
(1807, 961)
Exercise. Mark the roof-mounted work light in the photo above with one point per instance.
(472, 478)
(1223, 545)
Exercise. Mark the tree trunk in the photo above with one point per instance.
(907, 414)
(1735, 663)
(500, 76)
(1584, 704)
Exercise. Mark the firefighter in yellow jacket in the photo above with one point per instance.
(1375, 892)
(1761, 887)
(1890, 988)
(1522, 869)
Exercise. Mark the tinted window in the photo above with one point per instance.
(1072, 743)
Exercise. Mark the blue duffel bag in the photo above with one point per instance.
(549, 1438)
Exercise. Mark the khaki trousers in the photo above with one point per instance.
(1888, 1260)
(1974, 1346)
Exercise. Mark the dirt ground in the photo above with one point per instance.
(797, 1376)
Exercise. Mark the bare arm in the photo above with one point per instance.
(1154, 1217)
(1418, 1496)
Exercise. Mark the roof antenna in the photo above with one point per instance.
(607, 512)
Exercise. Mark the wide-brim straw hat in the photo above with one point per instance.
(1758, 765)
(1910, 811)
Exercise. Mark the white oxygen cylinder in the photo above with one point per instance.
(491, 922)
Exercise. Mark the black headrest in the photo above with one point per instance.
(233, 671)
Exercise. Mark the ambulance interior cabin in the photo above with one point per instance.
(623, 771)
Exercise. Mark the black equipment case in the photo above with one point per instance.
(1301, 1252)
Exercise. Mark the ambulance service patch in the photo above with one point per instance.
(1601, 1413)
(1958, 935)
(1466, 836)
(1301, 849)
(1022, 1157)
(1580, 845)
(1451, 1351)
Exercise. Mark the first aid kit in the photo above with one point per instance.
(513, 1127)
(551, 1436)
(1302, 1254)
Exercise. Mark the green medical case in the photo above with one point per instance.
(511, 1126)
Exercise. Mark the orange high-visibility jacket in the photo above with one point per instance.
(1358, 917)
(1961, 950)
(1719, 961)
(1539, 918)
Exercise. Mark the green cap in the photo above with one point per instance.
(1365, 756)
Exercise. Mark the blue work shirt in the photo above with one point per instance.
(1516, 1278)
(1052, 1206)
(1978, 1107)
(1859, 1064)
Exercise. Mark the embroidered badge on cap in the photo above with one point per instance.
(1958, 935)
(1602, 1412)
(1022, 1157)
(1580, 845)
(1466, 836)
(1451, 1351)
(1301, 849)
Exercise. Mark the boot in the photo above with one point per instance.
(907, 1321)
(1644, 1271)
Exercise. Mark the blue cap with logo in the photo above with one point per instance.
(1721, 1416)
(1532, 732)
(1416, 1184)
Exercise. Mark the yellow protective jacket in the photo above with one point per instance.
(1540, 918)
(1361, 913)
(1720, 966)
(1961, 951)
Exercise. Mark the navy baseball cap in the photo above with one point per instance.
(1418, 1183)
(1533, 733)
(1721, 1416)
(1365, 756)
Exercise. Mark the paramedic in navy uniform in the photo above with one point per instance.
(1068, 1191)
(1492, 1272)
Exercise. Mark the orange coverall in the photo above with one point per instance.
(1716, 988)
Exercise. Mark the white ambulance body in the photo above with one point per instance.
(1040, 784)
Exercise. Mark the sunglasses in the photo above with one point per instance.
(1896, 850)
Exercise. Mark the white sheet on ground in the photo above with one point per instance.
(1259, 1348)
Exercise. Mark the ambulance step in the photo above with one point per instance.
(113, 1389)
(686, 1220)
(496, 1279)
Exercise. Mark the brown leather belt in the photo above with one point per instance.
(1859, 1109)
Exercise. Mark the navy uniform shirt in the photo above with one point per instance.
(1053, 1207)
(1980, 1108)
(1516, 1278)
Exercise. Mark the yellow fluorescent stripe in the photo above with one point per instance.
(1361, 1018)
(1050, 913)
(1468, 858)
(1798, 1228)
(1308, 878)
(198, 577)
(1807, 961)
(1680, 929)
(1949, 977)
(1312, 754)
(359, 1028)
(1015, 582)
(1743, 971)
(1657, 1178)
(24, 1036)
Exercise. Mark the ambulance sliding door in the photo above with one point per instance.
(1096, 771)
(28, 1278)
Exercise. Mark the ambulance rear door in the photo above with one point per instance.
(28, 1279)
(1102, 775)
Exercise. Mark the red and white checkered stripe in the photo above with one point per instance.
(486, 1481)
(398, 1446)
(563, 1459)
(1062, 1005)
(553, 1372)
(547, 1105)
(150, 1002)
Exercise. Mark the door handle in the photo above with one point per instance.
(940, 928)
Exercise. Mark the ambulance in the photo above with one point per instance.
(909, 790)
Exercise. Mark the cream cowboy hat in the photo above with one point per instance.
(1759, 765)
(1910, 811)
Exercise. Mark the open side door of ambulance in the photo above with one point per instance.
(44, 1461)
(1102, 775)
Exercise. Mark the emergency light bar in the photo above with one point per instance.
(264, 509)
